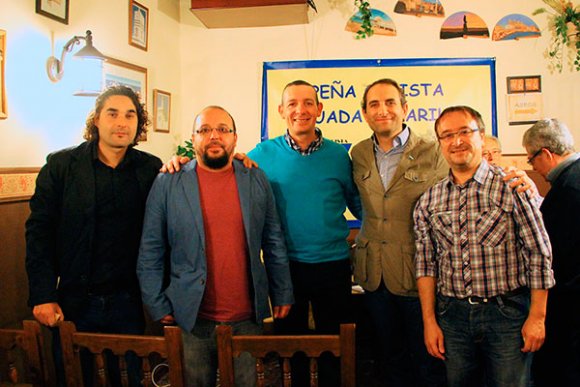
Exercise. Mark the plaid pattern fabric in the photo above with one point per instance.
(481, 238)
(313, 147)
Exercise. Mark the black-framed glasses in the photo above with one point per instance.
(463, 133)
(207, 130)
(531, 159)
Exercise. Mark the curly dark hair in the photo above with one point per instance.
(92, 132)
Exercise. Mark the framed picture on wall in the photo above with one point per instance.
(161, 110)
(54, 9)
(2, 83)
(118, 72)
(138, 25)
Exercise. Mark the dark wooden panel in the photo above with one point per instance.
(13, 280)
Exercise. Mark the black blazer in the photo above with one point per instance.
(59, 231)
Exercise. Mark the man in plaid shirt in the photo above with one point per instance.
(483, 264)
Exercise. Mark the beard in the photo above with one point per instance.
(216, 162)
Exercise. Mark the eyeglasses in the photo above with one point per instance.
(531, 159)
(221, 130)
(463, 133)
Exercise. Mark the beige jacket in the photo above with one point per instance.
(385, 245)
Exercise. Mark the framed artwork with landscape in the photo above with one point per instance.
(138, 25)
(161, 110)
(118, 72)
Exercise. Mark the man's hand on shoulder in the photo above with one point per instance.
(48, 314)
(174, 165)
(248, 162)
(520, 180)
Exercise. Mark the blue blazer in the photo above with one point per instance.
(173, 228)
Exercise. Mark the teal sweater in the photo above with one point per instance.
(312, 193)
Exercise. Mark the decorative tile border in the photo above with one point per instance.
(17, 183)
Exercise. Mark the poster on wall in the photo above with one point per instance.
(430, 85)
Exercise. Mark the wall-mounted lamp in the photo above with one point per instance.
(55, 67)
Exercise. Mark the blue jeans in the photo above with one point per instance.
(399, 331)
(483, 341)
(200, 354)
(118, 313)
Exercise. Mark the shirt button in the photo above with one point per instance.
(202, 281)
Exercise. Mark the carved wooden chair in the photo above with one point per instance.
(22, 355)
(312, 346)
(148, 348)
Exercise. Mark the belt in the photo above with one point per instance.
(499, 299)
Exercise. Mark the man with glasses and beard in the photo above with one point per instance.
(211, 221)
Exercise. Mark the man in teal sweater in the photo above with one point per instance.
(311, 178)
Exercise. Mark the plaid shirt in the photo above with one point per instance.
(481, 238)
(313, 147)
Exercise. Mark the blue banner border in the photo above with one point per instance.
(341, 63)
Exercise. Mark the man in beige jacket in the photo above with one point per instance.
(392, 169)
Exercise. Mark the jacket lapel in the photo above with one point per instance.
(407, 159)
(371, 172)
(190, 188)
(243, 182)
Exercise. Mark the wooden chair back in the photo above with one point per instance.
(22, 355)
(168, 347)
(342, 345)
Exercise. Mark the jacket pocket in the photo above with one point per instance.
(360, 260)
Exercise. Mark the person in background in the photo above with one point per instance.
(483, 264)
(492, 150)
(82, 236)
(199, 263)
(515, 177)
(392, 169)
(550, 149)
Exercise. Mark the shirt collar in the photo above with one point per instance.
(479, 175)
(400, 140)
(558, 169)
(313, 147)
(127, 160)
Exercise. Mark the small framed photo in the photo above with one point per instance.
(54, 9)
(138, 25)
(161, 110)
(524, 84)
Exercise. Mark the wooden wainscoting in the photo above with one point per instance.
(16, 188)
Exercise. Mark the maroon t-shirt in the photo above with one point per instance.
(227, 290)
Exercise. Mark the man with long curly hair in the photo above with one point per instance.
(82, 237)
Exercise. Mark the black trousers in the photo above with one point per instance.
(327, 288)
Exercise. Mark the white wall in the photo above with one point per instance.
(223, 66)
(201, 66)
(45, 116)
